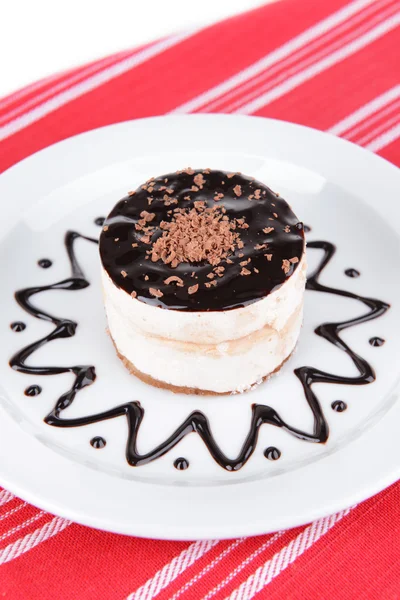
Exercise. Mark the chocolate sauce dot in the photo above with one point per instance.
(339, 406)
(18, 326)
(306, 228)
(45, 263)
(181, 464)
(272, 453)
(99, 221)
(33, 390)
(98, 442)
(352, 273)
(376, 341)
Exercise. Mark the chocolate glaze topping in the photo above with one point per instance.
(238, 241)
(196, 422)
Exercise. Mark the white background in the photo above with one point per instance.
(40, 37)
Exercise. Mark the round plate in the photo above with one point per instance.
(345, 194)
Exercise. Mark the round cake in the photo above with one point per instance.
(203, 277)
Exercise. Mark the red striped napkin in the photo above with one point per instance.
(331, 65)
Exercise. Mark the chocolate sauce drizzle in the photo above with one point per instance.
(196, 421)
(181, 464)
(33, 390)
(339, 406)
(98, 442)
(45, 263)
(376, 341)
(272, 453)
(64, 328)
(18, 326)
(352, 273)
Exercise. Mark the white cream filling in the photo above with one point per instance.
(208, 327)
(226, 367)
(233, 349)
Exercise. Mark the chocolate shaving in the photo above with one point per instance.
(285, 266)
(195, 236)
(199, 180)
(172, 279)
(148, 217)
(156, 293)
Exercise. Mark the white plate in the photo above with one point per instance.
(347, 195)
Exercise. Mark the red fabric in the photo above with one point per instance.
(42, 556)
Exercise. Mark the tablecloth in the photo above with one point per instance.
(332, 65)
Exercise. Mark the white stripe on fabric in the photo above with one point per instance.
(278, 563)
(170, 572)
(365, 111)
(26, 523)
(5, 497)
(28, 89)
(12, 511)
(378, 117)
(92, 83)
(65, 83)
(322, 46)
(243, 565)
(33, 539)
(275, 56)
(384, 140)
(339, 55)
(380, 129)
(207, 568)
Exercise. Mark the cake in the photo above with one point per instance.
(203, 275)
